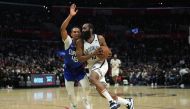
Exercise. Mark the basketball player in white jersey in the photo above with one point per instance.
(88, 47)
(73, 69)
(115, 64)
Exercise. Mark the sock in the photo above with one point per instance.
(107, 95)
(123, 101)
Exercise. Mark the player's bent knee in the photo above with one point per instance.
(92, 79)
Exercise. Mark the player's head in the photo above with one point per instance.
(115, 56)
(75, 33)
(87, 31)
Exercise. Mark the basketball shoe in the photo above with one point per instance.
(131, 104)
(114, 105)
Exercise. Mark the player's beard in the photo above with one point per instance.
(86, 35)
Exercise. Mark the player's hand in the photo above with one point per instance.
(73, 10)
(110, 55)
(98, 51)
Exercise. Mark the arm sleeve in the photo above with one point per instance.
(67, 42)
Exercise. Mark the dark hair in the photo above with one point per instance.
(75, 27)
(91, 26)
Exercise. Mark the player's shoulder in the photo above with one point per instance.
(68, 36)
(79, 42)
(112, 60)
(100, 36)
(118, 60)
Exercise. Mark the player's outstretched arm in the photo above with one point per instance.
(64, 25)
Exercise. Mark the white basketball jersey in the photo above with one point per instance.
(89, 48)
(115, 63)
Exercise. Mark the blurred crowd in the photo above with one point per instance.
(22, 58)
(154, 61)
(141, 65)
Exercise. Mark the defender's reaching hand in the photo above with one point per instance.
(73, 10)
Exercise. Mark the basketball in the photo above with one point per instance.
(105, 53)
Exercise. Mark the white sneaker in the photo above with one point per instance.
(131, 105)
(114, 105)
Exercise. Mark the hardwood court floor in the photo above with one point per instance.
(56, 98)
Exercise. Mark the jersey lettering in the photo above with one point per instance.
(91, 49)
(73, 55)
